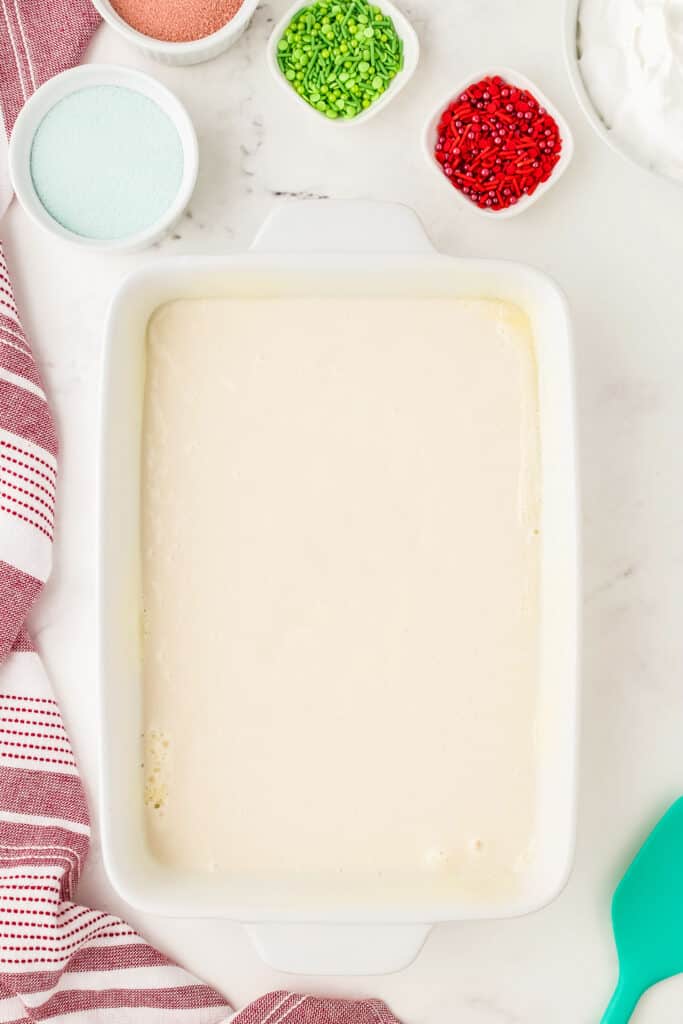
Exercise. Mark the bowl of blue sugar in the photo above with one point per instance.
(105, 157)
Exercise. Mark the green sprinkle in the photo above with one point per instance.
(340, 57)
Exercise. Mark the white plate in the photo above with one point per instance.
(411, 56)
(519, 80)
(328, 248)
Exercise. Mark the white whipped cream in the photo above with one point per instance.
(631, 61)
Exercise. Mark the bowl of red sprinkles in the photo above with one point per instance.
(498, 143)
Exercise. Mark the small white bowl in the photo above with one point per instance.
(54, 90)
(411, 56)
(521, 82)
(195, 52)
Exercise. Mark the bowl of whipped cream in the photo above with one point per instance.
(625, 61)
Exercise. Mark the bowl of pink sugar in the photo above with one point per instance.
(179, 31)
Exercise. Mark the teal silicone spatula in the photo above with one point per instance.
(647, 916)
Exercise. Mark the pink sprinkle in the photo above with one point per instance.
(177, 21)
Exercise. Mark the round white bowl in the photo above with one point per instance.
(411, 56)
(194, 52)
(519, 80)
(571, 24)
(44, 99)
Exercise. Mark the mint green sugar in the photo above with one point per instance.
(106, 162)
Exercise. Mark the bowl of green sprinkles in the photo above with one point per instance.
(344, 60)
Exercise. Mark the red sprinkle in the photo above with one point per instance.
(514, 148)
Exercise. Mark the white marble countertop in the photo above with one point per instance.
(609, 234)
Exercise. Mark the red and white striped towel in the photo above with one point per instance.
(58, 958)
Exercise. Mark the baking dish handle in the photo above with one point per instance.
(336, 949)
(342, 226)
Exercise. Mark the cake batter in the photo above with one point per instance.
(340, 561)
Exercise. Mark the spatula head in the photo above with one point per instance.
(647, 910)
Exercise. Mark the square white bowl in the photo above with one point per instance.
(521, 82)
(411, 56)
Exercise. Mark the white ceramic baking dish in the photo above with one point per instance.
(328, 248)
